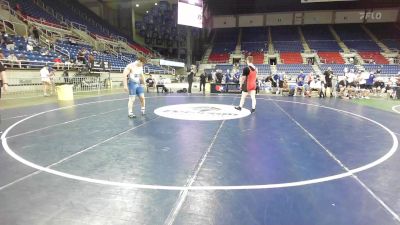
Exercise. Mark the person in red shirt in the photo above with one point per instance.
(58, 63)
(248, 84)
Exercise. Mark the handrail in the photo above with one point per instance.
(45, 23)
(78, 26)
(62, 51)
(6, 24)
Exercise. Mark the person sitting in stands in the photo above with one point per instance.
(30, 43)
(1, 54)
(13, 59)
(58, 62)
(8, 42)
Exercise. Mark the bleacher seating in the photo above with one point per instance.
(34, 56)
(337, 69)
(224, 67)
(218, 58)
(288, 46)
(392, 43)
(29, 8)
(294, 69)
(324, 45)
(286, 39)
(376, 57)
(354, 37)
(263, 69)
(317, 32)
(331, 57)
(387, 70)
(258, 57)
(362, 45)
(388, 34)
(224, 43)
(291, 58)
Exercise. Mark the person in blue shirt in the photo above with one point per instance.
(300, 83)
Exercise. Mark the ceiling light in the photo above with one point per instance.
(137, 5)
(147, 11)
(155, 3)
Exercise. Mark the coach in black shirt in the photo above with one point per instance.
(190, 80)
(203, 82)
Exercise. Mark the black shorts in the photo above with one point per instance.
(352, 84)
(329, 84)
(281, 83)
(368, 86)
(363, 86)
(342, 83)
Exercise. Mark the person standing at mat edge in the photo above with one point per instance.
(134, 81)
(248, 84)
(190, 78)
(3, 78)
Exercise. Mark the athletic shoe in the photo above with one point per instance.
(238, 108)
(131, 115)
(253, 110)
(143, 113)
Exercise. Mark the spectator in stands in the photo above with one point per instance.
(45, 77)
(2, 41)
(45, 52)
(35, 33)
(3, 78)
(30, 43)
(1, 54)
(81, 56)
(12, 58)
(58, 63)
(8, 41)
(91, 61)
(203, 82)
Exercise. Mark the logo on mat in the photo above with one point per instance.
(204, 112)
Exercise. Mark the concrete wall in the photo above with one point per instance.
(318, 17)
(251, 20)
(308, 17)
(224, 21)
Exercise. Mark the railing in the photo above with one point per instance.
(78, 26)
(311, 51)
(23, 87)
(62, 51)
(45, 23)
(8, 27)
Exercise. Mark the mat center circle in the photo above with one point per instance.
(202, 112)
